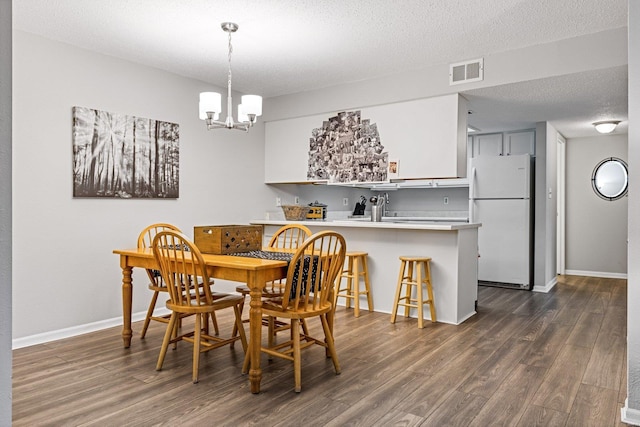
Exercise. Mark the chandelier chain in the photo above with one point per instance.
(229, 77)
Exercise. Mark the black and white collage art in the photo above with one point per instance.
(347, 149)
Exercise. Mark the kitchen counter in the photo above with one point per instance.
(390, 222)
(452, 246)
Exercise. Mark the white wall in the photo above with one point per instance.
(5, 213)
(631, 411)
(545, 207)
(596, 229)
(64, 271)
(551, 203)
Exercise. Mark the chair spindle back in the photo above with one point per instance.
(181, 265)
(313, 270)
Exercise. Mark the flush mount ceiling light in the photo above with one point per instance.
(606, 126)
(210, 102)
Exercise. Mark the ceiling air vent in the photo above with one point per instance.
(466, 72)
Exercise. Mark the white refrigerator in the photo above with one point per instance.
(500, 197)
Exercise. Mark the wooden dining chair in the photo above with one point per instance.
(308, 293)
(287, 237)
(185, 275)
(156, 284)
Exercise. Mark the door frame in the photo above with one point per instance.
(561, 150)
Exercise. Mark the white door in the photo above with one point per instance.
(503, 241)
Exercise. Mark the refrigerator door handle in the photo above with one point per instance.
(472, 184)
(472, 194)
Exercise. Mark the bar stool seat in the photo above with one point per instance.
(414, 271)
(356, 269)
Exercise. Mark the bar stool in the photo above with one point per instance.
(406, 278)
(356, 268)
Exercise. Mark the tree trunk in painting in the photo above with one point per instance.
(92, 158)
(159, 185)
(133, 166)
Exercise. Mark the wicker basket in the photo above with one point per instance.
(295, 212)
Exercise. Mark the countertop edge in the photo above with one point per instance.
(444, 226)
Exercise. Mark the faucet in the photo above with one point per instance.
(383, 200)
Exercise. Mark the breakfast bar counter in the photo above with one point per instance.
(452, 246)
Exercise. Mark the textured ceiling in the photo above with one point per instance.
(570, 103)
(290, 46)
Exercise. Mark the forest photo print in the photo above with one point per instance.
(122, 156)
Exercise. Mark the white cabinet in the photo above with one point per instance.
(504, 143)
(489, 144)
(427, 136)
(522, 142)
(286, 154)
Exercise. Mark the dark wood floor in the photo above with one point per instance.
(526, 359)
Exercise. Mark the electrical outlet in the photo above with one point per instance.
(296, 200)
(345, 201)
(278, 201)
(446, 200)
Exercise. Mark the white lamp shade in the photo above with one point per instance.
(606, 127)
(242, 117)
(210, 102)
(252, 104)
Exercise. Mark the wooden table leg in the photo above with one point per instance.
(126, 305)
(255, 329)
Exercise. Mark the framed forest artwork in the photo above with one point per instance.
(121, 156)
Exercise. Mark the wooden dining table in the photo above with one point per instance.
(254, 272)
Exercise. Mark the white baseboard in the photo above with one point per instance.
(547, 287)
(628, 415)
(79, 330)
(603, 274)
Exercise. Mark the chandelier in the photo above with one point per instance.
(211, 102)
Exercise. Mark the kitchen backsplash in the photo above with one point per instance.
(404, 202)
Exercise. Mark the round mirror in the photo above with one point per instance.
(609, 179)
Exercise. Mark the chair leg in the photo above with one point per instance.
(205, 323)
(147, 319)
(271, 334)
(196, 347)
(409, 289)
(394, 311)
(245, 364)
(240, 328)
(165, 341)
(329, 316)
(305, 329)
(419, 280)
(354, 280)
(350, 282)
(174, 333)
(328, 338)
(234, 333)
(367, 283)
(297, 364)
(432, 306)
(215, 323)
